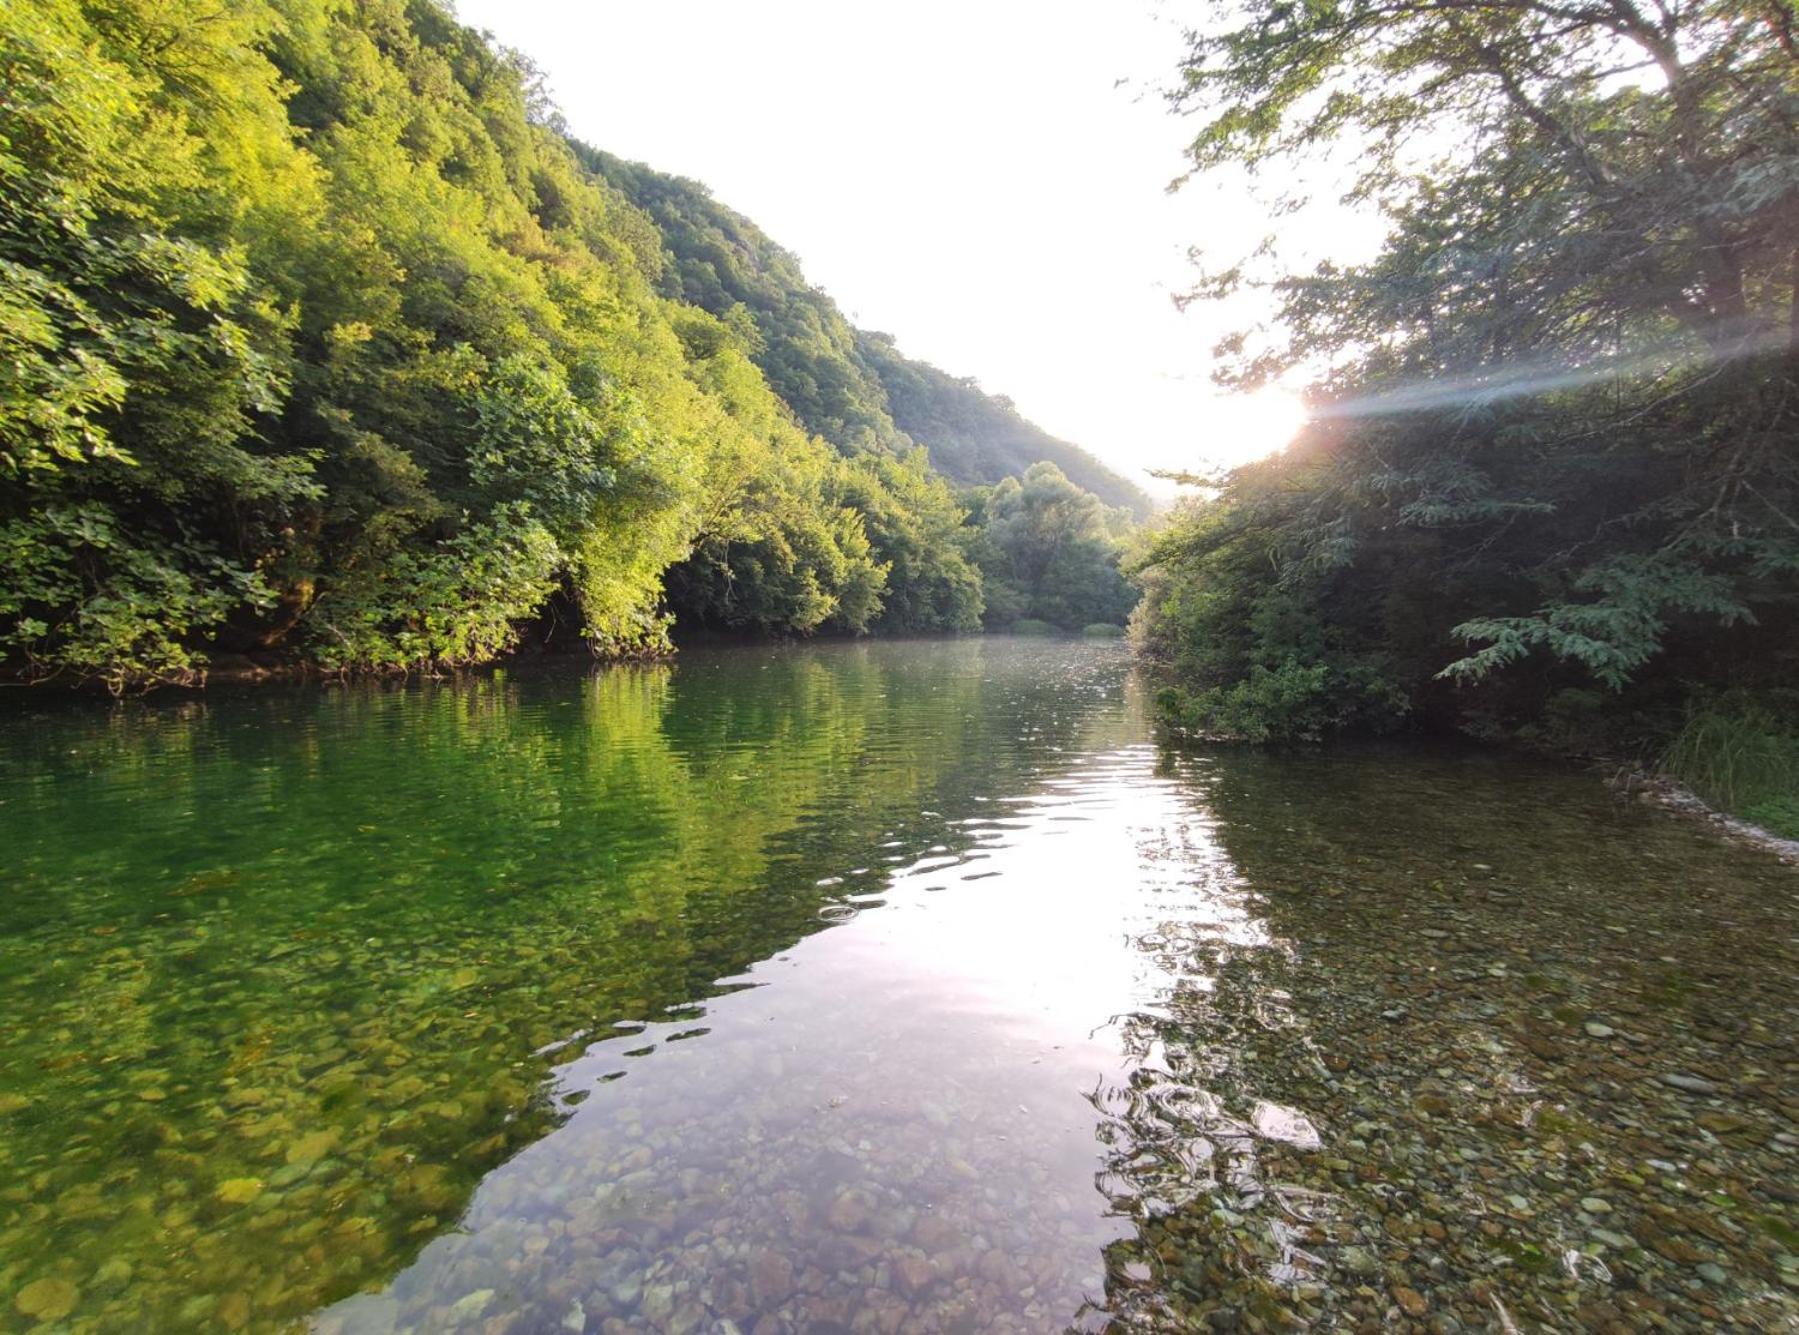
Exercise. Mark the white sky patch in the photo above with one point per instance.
(983, 179)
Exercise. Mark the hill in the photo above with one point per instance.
(852, 386)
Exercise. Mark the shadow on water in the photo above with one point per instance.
(870, 988)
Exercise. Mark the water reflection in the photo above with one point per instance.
(887, 1126)
(861, 988)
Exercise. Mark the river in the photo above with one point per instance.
(865, 987)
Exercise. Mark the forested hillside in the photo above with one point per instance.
(322, 344)
(979, 437)
(1552, 485)
(851, 386)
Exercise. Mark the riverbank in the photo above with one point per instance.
(242, 668)
(1675, 797)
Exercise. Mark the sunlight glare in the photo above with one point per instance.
(1246, 427)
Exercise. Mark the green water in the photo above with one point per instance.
(876, 987)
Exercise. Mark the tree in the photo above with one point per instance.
(1554, 444)
(1052, 551)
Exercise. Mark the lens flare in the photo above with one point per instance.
(1522, 380)
(1247, 427)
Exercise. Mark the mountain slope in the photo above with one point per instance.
(853, 387)
(977, 437)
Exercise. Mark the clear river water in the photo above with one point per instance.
(907, 986)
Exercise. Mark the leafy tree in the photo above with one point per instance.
(1554, 445)
(916, 528)
(320, 340)
(1051, 552)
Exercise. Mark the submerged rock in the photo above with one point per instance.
(47, 1299)
(471, 1305)
(1690, 1084)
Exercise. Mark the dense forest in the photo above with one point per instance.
(324, 344)
(1550, 490)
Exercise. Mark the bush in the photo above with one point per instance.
(1032, 626)
(1103, 630)
(1291, 701)
(1740, 756)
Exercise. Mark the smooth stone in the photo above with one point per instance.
(471, 1304)
(771, 1279)
(659, 1301)
(1692, 1084)
(371, 1314)
(916, 1274)
(627, 1291)
(48, 1299)
(1595, 1205)
(1597, 1030)
(850, 1211)
(1712, 1273)
(239, 1190)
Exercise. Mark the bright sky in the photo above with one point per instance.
(983, 179)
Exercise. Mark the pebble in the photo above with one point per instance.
(1691, 1084)
(471, 1305)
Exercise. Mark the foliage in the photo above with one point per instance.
(1554, 447)
(319, 339)
(1051, 551)
(1740, 754)
(723, 263)
(455, 604)
(917, 528)
(851, 386)
(125, 608)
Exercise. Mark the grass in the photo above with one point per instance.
(1742, 758)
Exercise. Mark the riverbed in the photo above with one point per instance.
(865, 987)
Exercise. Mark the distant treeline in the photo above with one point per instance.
(321, 342)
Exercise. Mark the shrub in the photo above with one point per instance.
(1741, 756)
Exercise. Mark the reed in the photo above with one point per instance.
(1741, 757)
